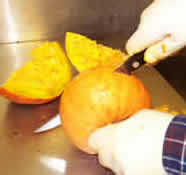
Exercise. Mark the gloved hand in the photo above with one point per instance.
(133, 146)
(162, 30)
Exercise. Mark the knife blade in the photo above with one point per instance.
(51, 124)
(133, 63)
(130, 65)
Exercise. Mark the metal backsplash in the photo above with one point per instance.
(43, 19)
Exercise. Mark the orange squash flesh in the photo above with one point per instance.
(41, 79)
(99, 97)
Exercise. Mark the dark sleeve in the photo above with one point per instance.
(174, 148)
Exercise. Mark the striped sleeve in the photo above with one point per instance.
(174, 148)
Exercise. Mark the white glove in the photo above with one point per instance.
(162, 30)
(133, 146)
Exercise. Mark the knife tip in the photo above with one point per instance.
(51, 124)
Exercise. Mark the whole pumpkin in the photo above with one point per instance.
(96, 98)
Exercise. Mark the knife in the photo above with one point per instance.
(54, 122)
(132, 63)
(128, 67)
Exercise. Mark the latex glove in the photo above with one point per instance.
(133, 146)
(162, 30)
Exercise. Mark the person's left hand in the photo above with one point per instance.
(161, 31)
(133, 146)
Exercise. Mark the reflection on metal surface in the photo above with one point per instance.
(55, 164)
(43, 19)
(12, 34)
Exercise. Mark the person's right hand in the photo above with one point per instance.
(133, 146)
(162, 30)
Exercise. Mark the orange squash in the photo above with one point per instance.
(96, 98)
(20, 99)
(40, 79)
(85, 53)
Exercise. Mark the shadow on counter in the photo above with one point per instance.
(173, 70)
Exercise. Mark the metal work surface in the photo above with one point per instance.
(21, 151)
(44, 19)
(51, 153)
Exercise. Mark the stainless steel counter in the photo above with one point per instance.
(111, 22)
(21, 151)
(51, 153)
(44, 19)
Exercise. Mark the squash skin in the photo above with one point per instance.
(22, 99)
(96, 98)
